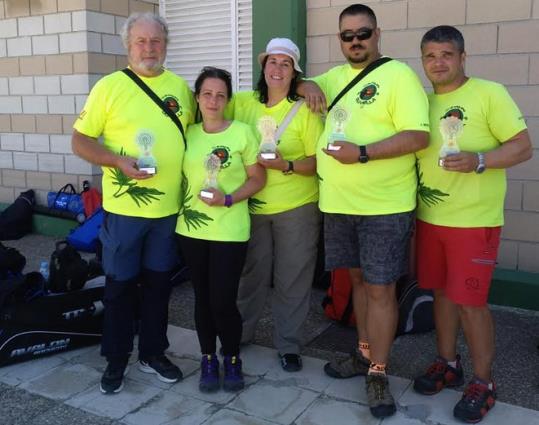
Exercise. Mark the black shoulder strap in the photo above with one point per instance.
(156, 99)
(370, 67)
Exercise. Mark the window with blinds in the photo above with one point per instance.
(210, 33)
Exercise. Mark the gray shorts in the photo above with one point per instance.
(378, 244)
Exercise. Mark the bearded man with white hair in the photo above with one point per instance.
(141, 155)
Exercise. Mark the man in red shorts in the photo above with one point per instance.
(477, 131)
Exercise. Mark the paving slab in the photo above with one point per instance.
(274, 401)
(21, 372)
(187, 366)
(189, 387)
(133, 396)
(258, 360)
(231, 417)
(325, 411)
(63, 382)
(171, 409)
(439, 409)
(183, 342)
(311, 376)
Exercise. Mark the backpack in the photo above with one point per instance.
(16, 219)
(337, 303)
(415, 304)
(67, 270)
(415, 308)
(12, 262)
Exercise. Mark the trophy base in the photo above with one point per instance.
(148, 170)
(268, 155)
(206, 194)
(332, 147)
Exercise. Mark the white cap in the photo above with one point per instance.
(282, 46)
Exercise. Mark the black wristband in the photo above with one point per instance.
(290, 168)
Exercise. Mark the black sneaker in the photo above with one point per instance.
(439, 375)
(291, 362)
(112, 379)
(165, 370)
(380, 400)
(476, 401)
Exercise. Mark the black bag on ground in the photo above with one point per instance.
(49, 324)
(16, 220)
(67, 270)
(415, 304)
(415, 308)
(11, 261)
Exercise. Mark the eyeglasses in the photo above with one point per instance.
(360, 34)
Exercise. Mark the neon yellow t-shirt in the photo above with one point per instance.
(388, 101)
(237, 148)
(490, 118)
(132, 124)
(282, 192)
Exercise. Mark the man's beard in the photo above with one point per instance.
(150, 67)
(364, 56)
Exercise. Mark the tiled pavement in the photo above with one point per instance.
(64, 389)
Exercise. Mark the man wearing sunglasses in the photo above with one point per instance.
(368, 190)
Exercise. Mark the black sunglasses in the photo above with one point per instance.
(360, 34)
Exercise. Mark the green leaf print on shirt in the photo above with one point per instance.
(192, 218)
(254, 205)
(428, 195)
(126, 185)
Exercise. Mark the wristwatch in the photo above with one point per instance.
(481, 165)
(363, 157)
(290, 168)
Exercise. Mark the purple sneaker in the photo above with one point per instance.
(233, 380)
(209, 373)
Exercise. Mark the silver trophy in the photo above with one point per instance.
(339, 117)
(267, 126)
(451, 128)
(212, 165)
(146, 161)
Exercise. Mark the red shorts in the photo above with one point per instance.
(458, 260)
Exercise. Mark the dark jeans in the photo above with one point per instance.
(123, 300)
(215, 272)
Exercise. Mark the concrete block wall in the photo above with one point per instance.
(51, 53)
(501, 42)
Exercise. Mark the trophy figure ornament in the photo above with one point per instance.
(212, 165)
(146, 161)
(267, 126)
(450, 128)
(339, 117)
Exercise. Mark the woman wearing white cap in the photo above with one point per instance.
(285, 219)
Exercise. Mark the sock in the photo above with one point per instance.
(488, 384)
(453, 364)
(377, 368)
(364, 348)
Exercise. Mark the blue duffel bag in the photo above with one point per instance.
(85, 237)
